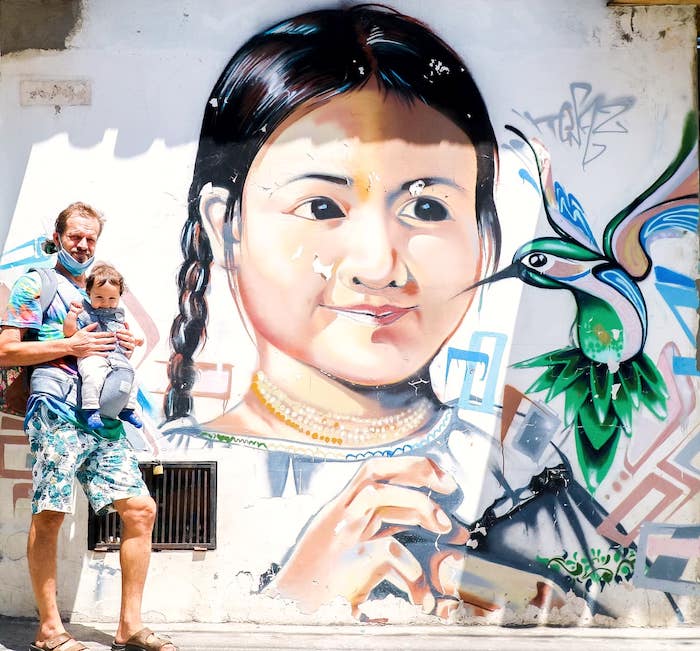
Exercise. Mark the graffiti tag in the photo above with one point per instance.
(581, 121)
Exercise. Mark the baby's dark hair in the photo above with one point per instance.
(306, 61)
(102, 274)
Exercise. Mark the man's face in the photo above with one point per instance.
(79, 238)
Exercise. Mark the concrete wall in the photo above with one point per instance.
(112, 117)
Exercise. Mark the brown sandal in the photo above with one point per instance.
(57, 644)
(139, 641)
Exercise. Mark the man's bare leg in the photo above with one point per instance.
(138, 515)
(42, 545)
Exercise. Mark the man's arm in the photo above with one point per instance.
(15, 352)
(24, 313)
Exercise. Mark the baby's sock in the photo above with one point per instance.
(93, 418)
(130, 416)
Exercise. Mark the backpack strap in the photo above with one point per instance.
(49, 287)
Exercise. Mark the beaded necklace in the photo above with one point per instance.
(338, 429)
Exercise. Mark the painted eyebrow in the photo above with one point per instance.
(348, 182)
(328, 178)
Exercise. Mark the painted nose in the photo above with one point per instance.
(372, 259)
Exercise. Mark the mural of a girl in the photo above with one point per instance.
(345, 178)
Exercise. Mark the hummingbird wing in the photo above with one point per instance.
(668, 206)
(564, 212)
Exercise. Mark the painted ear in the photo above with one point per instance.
(223, 235)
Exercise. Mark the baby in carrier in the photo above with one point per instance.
(106, 381)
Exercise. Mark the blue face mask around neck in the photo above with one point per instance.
(71, 265)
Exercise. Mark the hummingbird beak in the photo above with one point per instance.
(514, 270)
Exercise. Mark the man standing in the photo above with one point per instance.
(64, 448)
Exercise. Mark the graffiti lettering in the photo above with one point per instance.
(581, 121)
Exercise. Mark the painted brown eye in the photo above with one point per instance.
(319, 208)
(537, 260)
(426, 209)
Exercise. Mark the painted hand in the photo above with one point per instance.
(348, 548)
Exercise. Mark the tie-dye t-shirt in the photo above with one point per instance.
(24, 310)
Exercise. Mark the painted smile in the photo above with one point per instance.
(371, 315)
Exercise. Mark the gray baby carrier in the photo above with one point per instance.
(116, 389)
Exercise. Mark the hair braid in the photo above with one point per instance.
(189, 327)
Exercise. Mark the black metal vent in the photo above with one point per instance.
(185, 495)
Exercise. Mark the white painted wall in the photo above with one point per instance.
(130, 151)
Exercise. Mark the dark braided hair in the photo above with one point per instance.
(305, 61)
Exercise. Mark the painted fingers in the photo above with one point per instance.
(355, 532)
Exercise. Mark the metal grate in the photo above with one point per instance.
(185, 496)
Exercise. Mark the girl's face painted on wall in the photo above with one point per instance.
(358, 234)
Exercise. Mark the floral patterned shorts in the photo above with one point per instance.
(108, 470)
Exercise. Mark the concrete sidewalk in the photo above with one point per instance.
(15, 635)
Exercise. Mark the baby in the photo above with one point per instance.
(104, 286)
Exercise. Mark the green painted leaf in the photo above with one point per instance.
(630, 380)
(596, 463)
(601, 388)
(573, 369)
(651, 374)
(597, 432)
(649, 394)
(551, 358)
(655, 403)
(544, 381)
(622, 404)
(576, 395)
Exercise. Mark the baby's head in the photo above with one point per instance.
(104, 286)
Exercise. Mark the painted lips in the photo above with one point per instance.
(373, 315)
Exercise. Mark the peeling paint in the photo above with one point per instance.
(324, 270)
(269, 498)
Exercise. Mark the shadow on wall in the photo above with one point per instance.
(77, 71)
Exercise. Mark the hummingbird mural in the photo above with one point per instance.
(605, 375)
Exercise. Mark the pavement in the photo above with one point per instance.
(15, 635)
